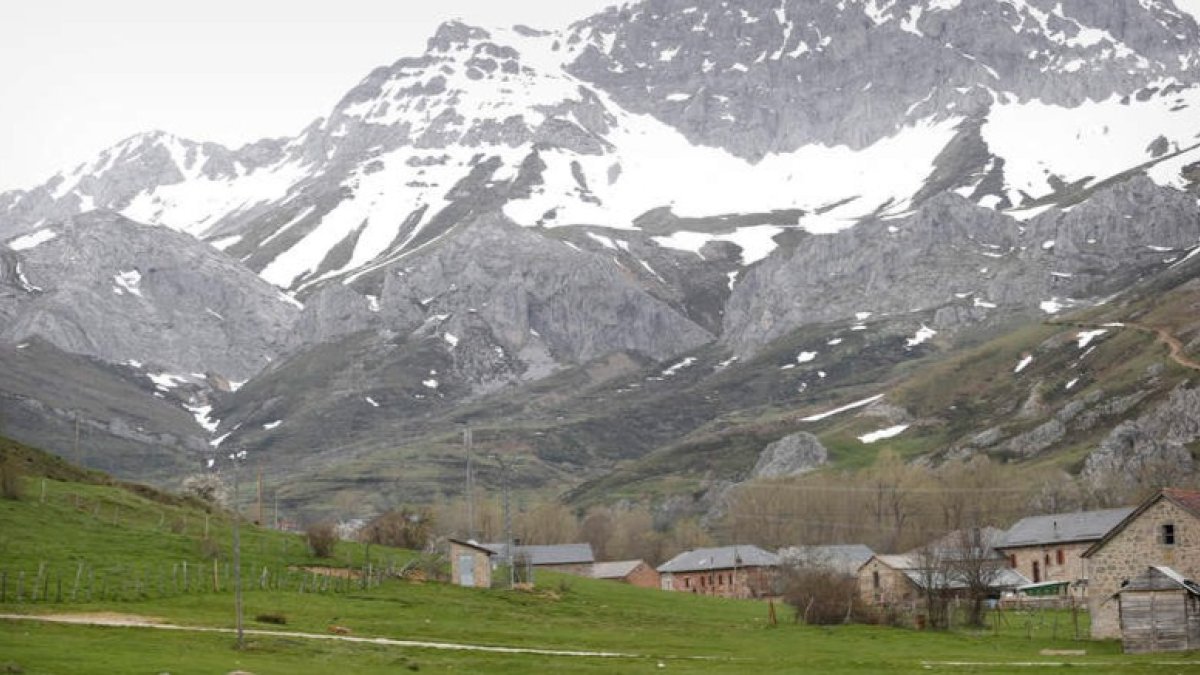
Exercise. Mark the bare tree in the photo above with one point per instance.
(547, 522)
(975, 566)
(931, 568)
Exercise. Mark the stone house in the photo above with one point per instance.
(742, 571)
(887, 580)
(1049, 548)
(470, 564)
(1164, 531)
(632, 572)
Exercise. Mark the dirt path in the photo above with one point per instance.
(1164, 336)
(133, 621)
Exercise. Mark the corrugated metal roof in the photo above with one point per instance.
(845, 558)
(1058, 528)
(896, 561)
(1159, 578)
(723, 558)
(617, 569)
(1005, 578)
(552, 554)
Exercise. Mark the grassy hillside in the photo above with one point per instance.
(651, 629)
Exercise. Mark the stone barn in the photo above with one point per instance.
(1164, 530)
(1159, 612)
(470, 564)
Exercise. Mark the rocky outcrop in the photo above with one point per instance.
(531, 289)
(108, 287)
(952, 253)
(792, 455)
(719, 71)
(1155, 442)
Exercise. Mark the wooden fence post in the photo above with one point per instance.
(78, 575)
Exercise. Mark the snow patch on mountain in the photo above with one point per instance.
(1040, 143)
(31, 240)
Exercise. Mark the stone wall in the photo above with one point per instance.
(1131, 551)
(744, 582)
(1073, 568)
(894, 587)
(643, 576)
(481, 562)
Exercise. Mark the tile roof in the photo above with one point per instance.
(723, 558)
(1059, 528)
(1188, 499)
(617, 569)
(552, 554)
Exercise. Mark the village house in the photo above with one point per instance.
(1160, 612)
(947, 564)
(885, 580)
(470, 564)
(632, 572)
(1164, 531)
(1048, 549)
(567, 558)
(742, 571)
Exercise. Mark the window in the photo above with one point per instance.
(1037, 572)
(1046, 559)
(1012, 560)
(1060, 558)
(875, 578)
(1167, 534)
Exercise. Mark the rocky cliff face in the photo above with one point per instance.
(965, 261)
(766, 76)
(107, 287)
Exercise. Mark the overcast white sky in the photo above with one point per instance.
(79, 75)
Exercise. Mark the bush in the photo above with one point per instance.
(11, 477)
(273, 617)
(824, 597)
(402, 528)
(321, 538)
(207, 487)
(209, 548)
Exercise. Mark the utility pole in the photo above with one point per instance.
(237, 549)
(78, 459)
(468, 441)
(259, 517)
(275, 503)
(508, 536)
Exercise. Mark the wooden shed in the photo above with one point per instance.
(1159, 612)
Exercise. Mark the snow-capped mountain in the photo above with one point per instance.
(837, 110)
(662, 177)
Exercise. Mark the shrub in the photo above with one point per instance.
(272, 617)
(207, 487)
(11, 477)
(401, 528)
(822, 596)
(321, 538)
(209, 548)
